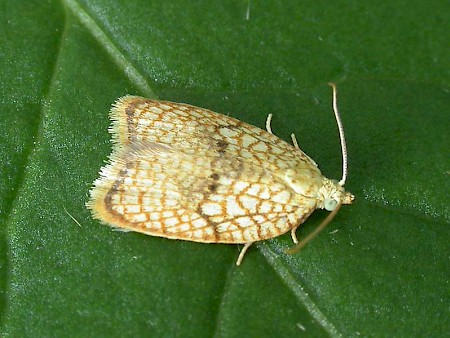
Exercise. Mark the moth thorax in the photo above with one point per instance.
(304, 181)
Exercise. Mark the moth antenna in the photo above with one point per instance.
(341, 135)
(313, 234)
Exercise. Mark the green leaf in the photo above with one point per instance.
(380, 269)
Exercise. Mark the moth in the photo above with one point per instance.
(183, 172)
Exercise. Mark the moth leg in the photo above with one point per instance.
(294, 235)
(294, 141)
(269, 119)
(242, 253)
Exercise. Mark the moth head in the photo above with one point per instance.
(333, 194)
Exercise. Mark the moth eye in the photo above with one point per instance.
(330, 204)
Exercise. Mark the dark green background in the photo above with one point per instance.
(385, 272)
